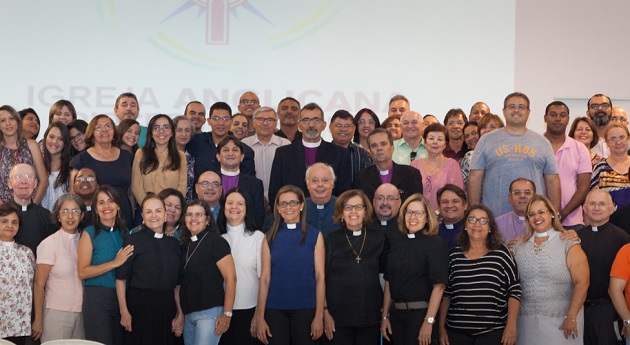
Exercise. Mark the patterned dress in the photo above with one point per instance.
(9, 158)
(17, 270)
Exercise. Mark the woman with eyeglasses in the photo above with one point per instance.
(58, 292)
(184, 132)
(554, 279)
(482, 298)
(292, 288)
(207, 265)
(77, 130)
(353, 291)
(111, 164)
(366, 121)
(415, 276)
(611, 174)
(436, 169)
(159, 164)
(486, 124)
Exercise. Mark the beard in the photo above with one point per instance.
(601, 119)
(311, 133)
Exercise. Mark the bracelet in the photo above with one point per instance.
(385, 317)
(572, 320)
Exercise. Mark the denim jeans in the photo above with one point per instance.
(199, 327)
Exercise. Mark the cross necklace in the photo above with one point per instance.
(358, 256)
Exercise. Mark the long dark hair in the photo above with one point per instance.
(277, 218)
(120, 221)
(249, 212)
(357, 117)
(211, 227)
(122, 128)
(63, 179)
(150, 160)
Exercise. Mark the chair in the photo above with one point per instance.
(72, 342)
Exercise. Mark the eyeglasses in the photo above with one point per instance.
(265, 120)
(471, 134)
(221, 118)
(595, 203)
(518, 192)
(516, 106)
(27, 177)
(618, 119)
(86, 178)
(102, 128)
(74, 211)
(195, 215)
(595, 106)
(368, 122)
(357, 207)
(417, 214)
(207, 184)
(382, 198)
(249, 101)
(482, 220)
(165, 128)
(79, 136)
(614, 140)
(539, 212)
(318, 181)
(315, 121)
(291, 203)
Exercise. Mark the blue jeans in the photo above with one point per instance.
(199, 327)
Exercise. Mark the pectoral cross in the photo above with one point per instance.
(358, 258)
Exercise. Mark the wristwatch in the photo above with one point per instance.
(626, 323)
(227, 313)
(430, 320)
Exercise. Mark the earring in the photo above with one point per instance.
(489, 231)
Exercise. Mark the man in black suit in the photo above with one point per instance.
(291, 161)
(230, 155)
(406, 178)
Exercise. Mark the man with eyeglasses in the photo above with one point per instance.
(386, 203)
(574, 164)
(288, 112)
(320, 205)
(265, 143)
(599, 109)
(509, 153)
(342, 129)
(398, 105)
(601, 240)
(209, 189)
(291, 161)
(512, 224)
(85, 185)
(477, 111)
(411, 145)
(204, 146)
(36, 224)
(127, 107)
(454, 122)
(247, 105)
(384, 170)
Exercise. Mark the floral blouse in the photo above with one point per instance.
(17, 271)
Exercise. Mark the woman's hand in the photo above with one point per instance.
(252, 327)
(125, 320)
(222, 324)
(178, 324)
(509, 335)
(317, 327)
(443, 336)
(262, 331)
(37, 328)
(569, 326)
(424, 336)
(329, 325)
(386, 329)
(122, 255)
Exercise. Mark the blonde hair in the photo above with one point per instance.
(556, 224)
(431, 226)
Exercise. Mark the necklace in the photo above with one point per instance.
(194, 250)
(358, 256)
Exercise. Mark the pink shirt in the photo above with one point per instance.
(573, 158)
(450, 172)
(64, 290)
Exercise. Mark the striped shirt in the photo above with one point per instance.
(479, 290)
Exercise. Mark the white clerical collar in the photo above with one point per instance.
(411, 235)
(72, 236)
(311, 145)
(292, 226)
(594, 228)
(384, 172)
(88, 208)
(383, 222)
(158, 235)
(320, 207)
(356, 233)
(449, 226)
(230, 173)
(238, 228)
(24, 208)
(521, 218)
(194, 238)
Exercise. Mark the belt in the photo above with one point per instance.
(411, 305)
(596, 301)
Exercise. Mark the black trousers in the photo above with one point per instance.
(354, 336)
(290, 327)
(598, 323)
(406, 326)
(152, 313)
(238, 333)
(101, 316)
(490, 338)
(17, 340)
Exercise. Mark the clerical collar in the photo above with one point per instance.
(292, 226)
(238, 228)
(194, 238)
(230, 173)
(594, 228)
(384, 172)
(158, 235)
(312, 145)
(88, 208)
(411, 235)
(521, 218)
(320, 207)
(383, 222)
(72, 236)
(449, 226)
(356, 233)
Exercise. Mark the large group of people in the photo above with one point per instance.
(476, 230)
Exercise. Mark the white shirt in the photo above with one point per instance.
(263, 156)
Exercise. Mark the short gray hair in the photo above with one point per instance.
(54, 215)
(265, 110)
(322, 165)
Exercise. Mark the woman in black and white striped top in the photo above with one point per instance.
(483, 292)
